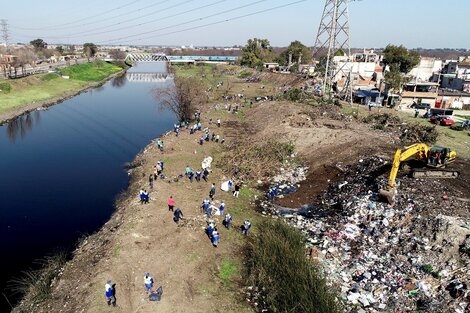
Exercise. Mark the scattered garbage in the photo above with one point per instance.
(408, 257)
(207, 162)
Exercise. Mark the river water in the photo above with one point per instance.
(61, 169)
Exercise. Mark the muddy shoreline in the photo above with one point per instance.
(6, 117)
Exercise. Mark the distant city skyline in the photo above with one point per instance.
(374, 23)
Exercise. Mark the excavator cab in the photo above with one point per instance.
(440, 156)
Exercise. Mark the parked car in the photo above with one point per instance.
(420, 106)
(461, 125)
(435, 119)
(446, 121)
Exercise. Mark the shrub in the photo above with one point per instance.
(245, 74)
(5, 87)
(49, 76)
(287, 281)
(36, 285)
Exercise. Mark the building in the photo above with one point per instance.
(456, 75)
(419, 92)
(271, 66)
(453, 99)
(425, 70)
(364, 67)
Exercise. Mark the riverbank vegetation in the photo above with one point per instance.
(90, 72)
(286, 281)
(43, 87)
(36, 285)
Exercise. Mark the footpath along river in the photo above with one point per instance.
(61, 169)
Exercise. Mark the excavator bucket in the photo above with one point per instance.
(388, 194)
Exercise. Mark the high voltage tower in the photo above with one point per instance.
(333, 39)
(5, 32)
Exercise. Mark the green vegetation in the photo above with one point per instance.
(49, 76)
(400, 61)
(277, 265)
(37, 285)
(43, 87)
(5, 87)
(228, 269)
(296, 49)
(91, 72)
(245, 74)
(256, 52)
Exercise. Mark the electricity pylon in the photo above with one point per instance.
(333, 38)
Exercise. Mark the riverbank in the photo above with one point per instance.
(44, 90)
(195, 276)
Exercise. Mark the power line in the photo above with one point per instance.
(79, 20)
(226, 20)
(143, 23)
(187, 22)
(131, 19)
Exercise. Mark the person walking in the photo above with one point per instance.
(110, 293)
(218, 122)
(151, 181)
(198, 176)
(205, 174)
(227, 222)
(215, 238)
(171, 203)
(246, 227)
(201, 140)
(177, 215)
(212, 192)
(205, 207)
(148, 282)
(191, 176)
(221, 208)
(236, 192)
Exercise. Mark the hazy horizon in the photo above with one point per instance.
(373, 23)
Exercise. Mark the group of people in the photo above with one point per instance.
(202, 173)
(207, 206)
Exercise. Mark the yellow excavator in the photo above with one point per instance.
(435, 157)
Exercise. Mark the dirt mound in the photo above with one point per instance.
(408, 133)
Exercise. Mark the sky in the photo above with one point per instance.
(373, 23)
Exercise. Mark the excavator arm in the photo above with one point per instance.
(421, 152)
(419, 149)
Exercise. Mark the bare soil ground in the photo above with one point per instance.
(143, 238)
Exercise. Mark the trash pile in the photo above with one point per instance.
(285, 182)
(383, 258)
(408, 133)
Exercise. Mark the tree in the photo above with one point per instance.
(256, 52)
(26, 56)
(89, 49)
(60, 50)
(187, 94)
(400, 62)
(38, 44)
(117, 54)
(297, 49)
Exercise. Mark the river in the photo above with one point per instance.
(62, 168)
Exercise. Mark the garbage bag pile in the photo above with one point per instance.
(383, 258)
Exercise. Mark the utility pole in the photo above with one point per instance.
(333, 37)
(5, 32)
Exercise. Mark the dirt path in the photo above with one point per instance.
(143, 238)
